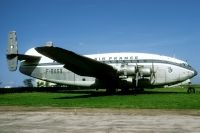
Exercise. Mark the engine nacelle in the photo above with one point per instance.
(127, 71)
(131, 70)
(145, 72)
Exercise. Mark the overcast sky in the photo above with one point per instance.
(167, 27)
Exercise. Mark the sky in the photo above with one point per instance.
(166, 27)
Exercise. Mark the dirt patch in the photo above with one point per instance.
(148, 112)
(51, 120)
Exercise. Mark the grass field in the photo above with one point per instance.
(159, 98)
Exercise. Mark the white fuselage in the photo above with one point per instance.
(154, 70)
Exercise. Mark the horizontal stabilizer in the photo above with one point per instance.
(24, 57)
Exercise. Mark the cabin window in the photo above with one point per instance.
(125, 58)
(131, 58)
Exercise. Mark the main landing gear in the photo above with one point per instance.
(111, 91)
(125, 91)
(133, 91)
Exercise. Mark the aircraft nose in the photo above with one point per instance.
(195, 72)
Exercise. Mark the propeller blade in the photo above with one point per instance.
(136, 79)
(136, 74)
(152, 78)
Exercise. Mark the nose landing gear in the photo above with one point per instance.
(190, 89)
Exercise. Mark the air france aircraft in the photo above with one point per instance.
(108, 70)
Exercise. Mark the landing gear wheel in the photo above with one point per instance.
(125, 90)
(191, 90)
(110, 91)
(139, 90)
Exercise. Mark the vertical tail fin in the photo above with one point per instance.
(12, 51)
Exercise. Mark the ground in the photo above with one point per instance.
(51, 120)
(158, 110)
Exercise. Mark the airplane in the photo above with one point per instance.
(125, 70)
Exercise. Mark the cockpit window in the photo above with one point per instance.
(185, 65)
(189, 66)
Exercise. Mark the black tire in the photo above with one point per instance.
(110, 91)
(191, 90)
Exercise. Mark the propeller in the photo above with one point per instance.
(153, 76)
(137, 76)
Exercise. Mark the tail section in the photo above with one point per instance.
(12, 51)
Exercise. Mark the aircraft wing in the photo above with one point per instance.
(80, 65)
